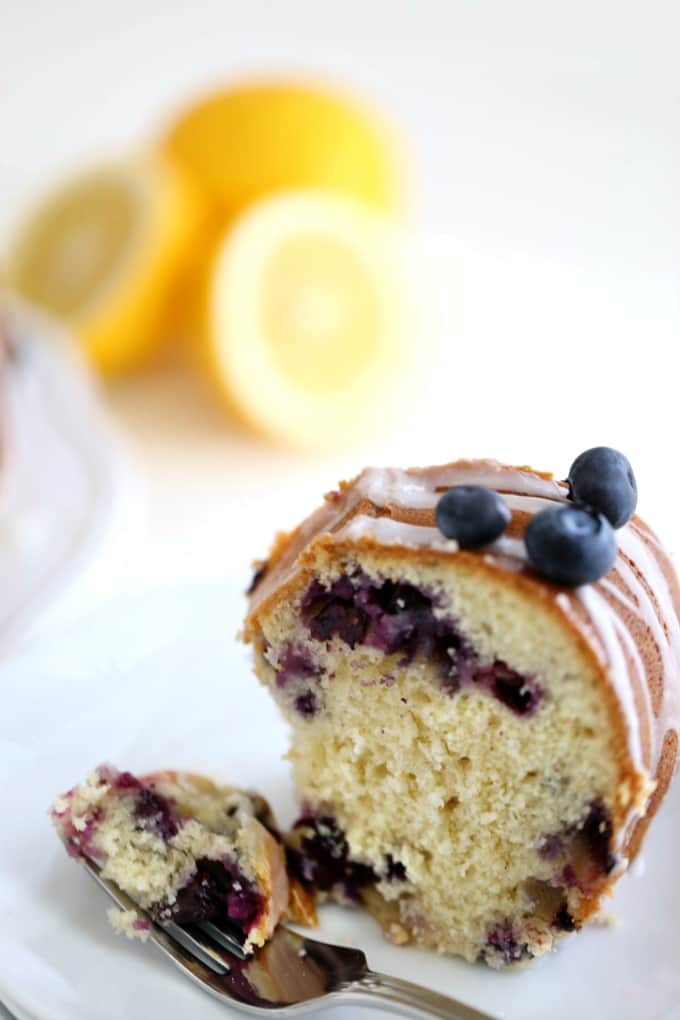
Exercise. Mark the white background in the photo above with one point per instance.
(546, 153)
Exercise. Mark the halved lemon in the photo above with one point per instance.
(244, 143)
(305, 318)
(103, 253)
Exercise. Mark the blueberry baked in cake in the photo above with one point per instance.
(480, 668)
(184, 849)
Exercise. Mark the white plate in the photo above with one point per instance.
(65, 476)
(159, 680)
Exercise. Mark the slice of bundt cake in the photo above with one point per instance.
(483, 724)
(182, 848)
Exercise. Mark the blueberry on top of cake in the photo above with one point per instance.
(182, 848)
(480, 667)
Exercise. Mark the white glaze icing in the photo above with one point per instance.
(390, 532)
(615, 661)
(391, 486)
(531, 504)
(662, 622)
(420, 490)
(505, 546)
(633, 653)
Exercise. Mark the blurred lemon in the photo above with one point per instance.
(245, 143)
(103, 253)
(304, 318)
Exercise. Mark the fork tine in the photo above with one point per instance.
(204, 952)
(224, 939)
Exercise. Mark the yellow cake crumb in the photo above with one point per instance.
(129, 924)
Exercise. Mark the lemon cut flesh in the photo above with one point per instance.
(305, 318)
(104, 251)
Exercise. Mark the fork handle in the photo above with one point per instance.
(408, 999)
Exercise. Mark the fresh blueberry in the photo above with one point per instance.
(472, 515)
(570, 545)
(603, 478)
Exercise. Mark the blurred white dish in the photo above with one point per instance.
(158, 680)
(63, 473)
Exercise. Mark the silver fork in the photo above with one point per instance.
(289, 976)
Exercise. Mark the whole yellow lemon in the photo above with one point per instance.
(247, 142)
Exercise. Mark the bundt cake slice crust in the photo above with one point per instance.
(360, 711)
